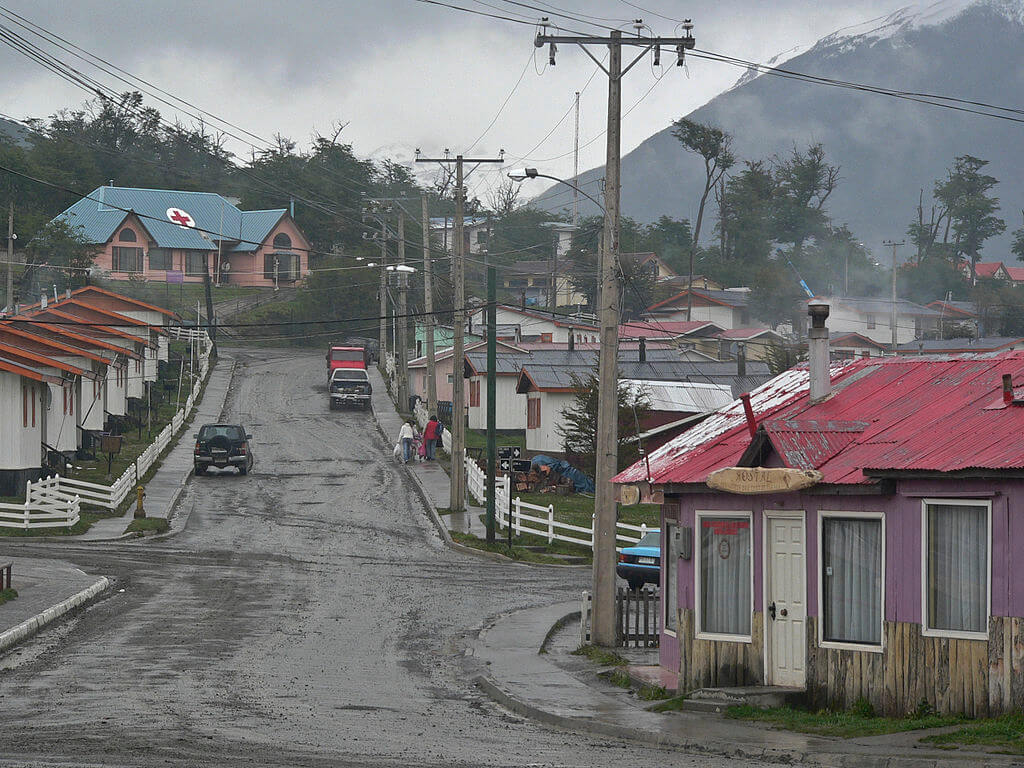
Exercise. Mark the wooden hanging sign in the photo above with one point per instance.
(762, 479)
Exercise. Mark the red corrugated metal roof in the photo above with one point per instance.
(668, 329)
(928, 414)
(987, 268)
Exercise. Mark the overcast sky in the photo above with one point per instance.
(406, 74)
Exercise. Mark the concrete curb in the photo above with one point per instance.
(29, 627)
(493, 689)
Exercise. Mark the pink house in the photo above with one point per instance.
(173, 236)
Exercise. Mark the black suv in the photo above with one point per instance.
(223, 445)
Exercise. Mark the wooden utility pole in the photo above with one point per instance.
(892, 317)
(428, 306)
(458, 478)
(10, 258)
(402, 352)
(383, 288)
(603, 625)
(492, 394)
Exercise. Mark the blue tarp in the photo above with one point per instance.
(581, 483)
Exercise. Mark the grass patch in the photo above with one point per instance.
(85, 522)
(578, 509)
(860, 721)
(444, 510)
(502, 548)
(6, 595)
(477, 440)
(601, 656)
(1003, 734)
(619, 678)
(653, 693)
(142, 524)
(669, 704)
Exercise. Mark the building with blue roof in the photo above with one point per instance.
(171, 235)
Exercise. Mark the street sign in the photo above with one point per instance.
(182, 218)
(505, 452)
(521, 465)
(517, 452)
(175, 276)
(504, 465)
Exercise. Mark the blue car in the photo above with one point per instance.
(641, 563)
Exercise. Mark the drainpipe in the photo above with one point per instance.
(572, 339)
(821, 384)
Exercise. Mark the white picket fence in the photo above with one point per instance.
(527, 518)
(56, 501)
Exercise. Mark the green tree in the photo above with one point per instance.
(58, 255)
(775, 295)
(804, 180)
(781, 356)
(579, 433)
(971, 209)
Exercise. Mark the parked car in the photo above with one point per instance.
(641, 563)
(350, 386)
(223, 445)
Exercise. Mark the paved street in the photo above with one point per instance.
(308, 615)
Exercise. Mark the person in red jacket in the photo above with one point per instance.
(432, 436)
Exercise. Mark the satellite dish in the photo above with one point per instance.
(225, 266)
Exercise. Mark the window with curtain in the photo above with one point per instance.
(195, 263)
(281, 240)
(670, 562)
(725, 575)
(957, 554)
(127, 236)
(851, 580)
(126, 259)
(160, 258)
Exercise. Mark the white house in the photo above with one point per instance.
(727, 309)
(23, 395)
(475, 231)
(537, 326)
(873, 318)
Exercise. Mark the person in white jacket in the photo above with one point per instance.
(405, 438)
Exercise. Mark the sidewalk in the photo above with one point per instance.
(47, 589)
(431, 477)
(534, 685)
(169, 480)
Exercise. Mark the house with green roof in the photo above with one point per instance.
(171, 236)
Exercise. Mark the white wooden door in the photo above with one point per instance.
(785, 613)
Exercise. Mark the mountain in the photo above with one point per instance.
(888, 149)
(405, 154)
(14, 132)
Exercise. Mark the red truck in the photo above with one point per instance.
(345, 357)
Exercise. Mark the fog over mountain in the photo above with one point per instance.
(888, 149)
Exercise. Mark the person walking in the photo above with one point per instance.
(431, 435)
(405, 437)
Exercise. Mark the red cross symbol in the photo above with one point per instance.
(180, 217)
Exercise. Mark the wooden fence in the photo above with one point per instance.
(56, 501)
(637, 617)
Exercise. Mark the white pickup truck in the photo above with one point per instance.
(350, 386)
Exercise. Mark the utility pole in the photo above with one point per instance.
(603, 629)
(428, 305)
(492, 394)
(892, 317)
(402, 353)
(10, 257)
(458, 479)
(383, 288)
(210, 328)
(576, 166)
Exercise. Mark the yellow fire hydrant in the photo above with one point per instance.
(140, 494)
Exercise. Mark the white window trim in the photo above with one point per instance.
(664, 570)
(699, 515)
(952, 633)
(822, 642)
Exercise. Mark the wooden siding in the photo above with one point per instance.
(714, 663)
(974, 677)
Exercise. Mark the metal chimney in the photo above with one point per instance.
(817, 334)
(643, 350)
(572, 339)
(42, 301)
(741, 359)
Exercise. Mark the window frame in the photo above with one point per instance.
(127, 235)
(836, 644)
(282, 240)
(870, 322)
(669, 594)
(167, 257)
(699, 633)
(959, 634)
(117, 264)
(203, 264)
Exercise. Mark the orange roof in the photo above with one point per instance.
(102, 329)
(11, 351)
(83, 294)
(66, 332)
(29, 373)
(34, 338)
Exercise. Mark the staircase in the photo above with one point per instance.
(762, 696)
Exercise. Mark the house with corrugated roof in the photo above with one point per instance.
(849, 531)
(873, 317)
(175, 236)
(24, 397)
(726, 309)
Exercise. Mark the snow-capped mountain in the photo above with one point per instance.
(888, 149)
(405, 154)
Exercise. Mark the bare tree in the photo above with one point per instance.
(504, 198)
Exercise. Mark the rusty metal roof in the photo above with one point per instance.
(928, 414)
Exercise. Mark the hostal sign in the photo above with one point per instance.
(762, 479)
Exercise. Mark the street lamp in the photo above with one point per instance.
(522, 174)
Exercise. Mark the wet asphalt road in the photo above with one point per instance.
(309, 615)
